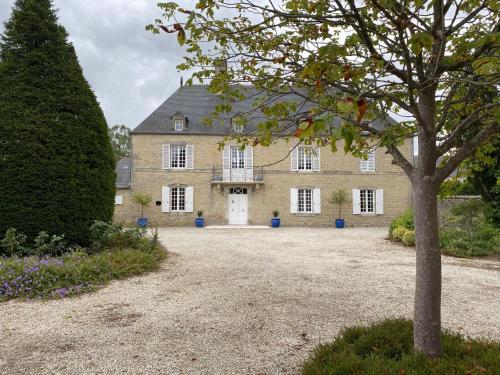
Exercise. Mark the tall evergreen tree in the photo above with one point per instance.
(56, 161)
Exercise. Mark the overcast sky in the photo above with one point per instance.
(131, 70)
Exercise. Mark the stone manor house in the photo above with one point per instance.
(175, 159)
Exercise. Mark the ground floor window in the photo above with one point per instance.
(305, 201)
(177, 199)
(367, 201)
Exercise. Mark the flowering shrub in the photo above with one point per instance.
(121, 253)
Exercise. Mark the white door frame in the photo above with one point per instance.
(237, 206)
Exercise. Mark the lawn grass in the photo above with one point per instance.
(387, 348)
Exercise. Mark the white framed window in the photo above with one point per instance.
(368, 165)
(177, 199)
(178, 125)
(238, 128)
(305, 155)
(305, 159)
(178, 156)
(118, 199)
(305, 201)
(367, 201)
(237, 158)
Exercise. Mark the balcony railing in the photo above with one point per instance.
(249, 175)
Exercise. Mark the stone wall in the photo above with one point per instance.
(338, 171)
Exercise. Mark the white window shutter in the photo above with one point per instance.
(226, 163)
(165, 199)
(189, 156)
(166, 156)
(379, 202)
(316, 159)
(317, 200)
(294, 157)
(189, 199)
(249, 163)
(356, 203)
(294, 195)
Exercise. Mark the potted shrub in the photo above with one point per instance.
(199, 221)
(275, 221)
(144, 200)
(339, 197)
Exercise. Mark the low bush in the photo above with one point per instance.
(409, 238)
(387, 348)
(405, 220)
(72, 273)
(116, 253)
(464, 231)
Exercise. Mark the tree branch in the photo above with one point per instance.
(467, 150)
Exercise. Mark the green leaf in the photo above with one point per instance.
(419, 41)
(181, 37)
(348, 138)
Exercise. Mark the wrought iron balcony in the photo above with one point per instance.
(238, 175)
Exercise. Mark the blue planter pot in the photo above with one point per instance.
(199, 222)
(339, 223)
(275, 222)
(142, 222)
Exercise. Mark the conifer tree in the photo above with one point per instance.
(56, 161)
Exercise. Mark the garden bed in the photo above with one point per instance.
(387, 348)
(116, 254)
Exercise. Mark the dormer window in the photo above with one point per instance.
(179, 121)
(238, 128)
(178, 125)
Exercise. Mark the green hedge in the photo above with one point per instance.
(56, 162)
(387, 348)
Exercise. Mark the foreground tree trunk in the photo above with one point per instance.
(427, 309)
(427, 312)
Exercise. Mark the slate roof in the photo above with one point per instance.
(196, 102)
(123, 172)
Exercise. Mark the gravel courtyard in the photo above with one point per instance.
(239, 301)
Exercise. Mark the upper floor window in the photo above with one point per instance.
(237, 158)
(178, 156)
(305, 159)
(178, 125)
(368, 165)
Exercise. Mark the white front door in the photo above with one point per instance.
(237, 206)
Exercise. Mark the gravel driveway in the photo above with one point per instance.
(239, 301)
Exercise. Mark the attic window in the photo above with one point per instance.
(178, 125)
(238, 128)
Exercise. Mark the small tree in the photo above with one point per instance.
(121, 141)
(339, 197)
(143, 199)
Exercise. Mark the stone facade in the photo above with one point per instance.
(337, 171)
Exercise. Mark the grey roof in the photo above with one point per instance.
(196, 102)
(123, 172)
